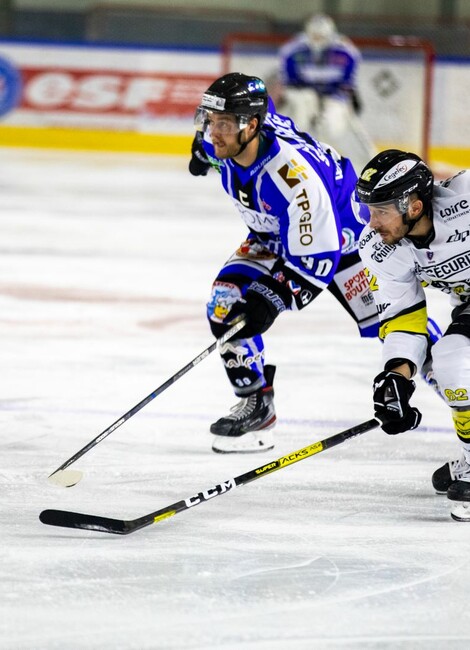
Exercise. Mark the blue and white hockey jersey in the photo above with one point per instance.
(295, 198)
(329, 71)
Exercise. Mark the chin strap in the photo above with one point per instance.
(243, 145)
(427, 209)
(411, 223)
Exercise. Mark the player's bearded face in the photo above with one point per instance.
(225, 134)
(387, 221)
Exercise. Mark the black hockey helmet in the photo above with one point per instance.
(237, 94)
(391, 176)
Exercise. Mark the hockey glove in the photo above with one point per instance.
(392, 393)
(199, 164)
(264, 300)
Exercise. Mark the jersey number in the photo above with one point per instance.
(244, 199)
(457, 395)
(323, 267)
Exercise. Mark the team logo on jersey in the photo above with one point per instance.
(292, 173)
(368, 173)
(224, 294)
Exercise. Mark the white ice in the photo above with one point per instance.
(105, 267)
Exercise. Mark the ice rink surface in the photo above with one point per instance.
(106, 264)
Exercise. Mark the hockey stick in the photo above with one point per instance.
(124, 527)
(68, 478)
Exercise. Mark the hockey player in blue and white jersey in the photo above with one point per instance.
(419, 236)
(318, 76)
(294, 195)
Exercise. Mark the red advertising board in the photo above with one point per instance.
(98, 92)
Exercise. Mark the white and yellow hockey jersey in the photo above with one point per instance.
(398, 273)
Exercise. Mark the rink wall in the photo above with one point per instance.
(107, 98)
(143, 100)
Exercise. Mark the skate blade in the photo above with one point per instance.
(242, 451)
(252, 442)
(461, 511)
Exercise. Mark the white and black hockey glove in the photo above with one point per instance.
(392, 393)
(199, 164)
(262, 303)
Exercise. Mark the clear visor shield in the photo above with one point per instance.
(206, 119)
(384, 209)
(360, 210)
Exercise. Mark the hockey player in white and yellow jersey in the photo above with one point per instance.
(418, 235)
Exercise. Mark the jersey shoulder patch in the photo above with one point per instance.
(459, 183)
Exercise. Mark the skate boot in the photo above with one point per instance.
(452, 471)
(246, 429)
(459, 495)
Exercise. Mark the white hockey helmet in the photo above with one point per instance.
(320, 30)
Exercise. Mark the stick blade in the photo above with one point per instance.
(65, 477)
(67, 519)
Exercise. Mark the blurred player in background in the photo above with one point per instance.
(294, 195)
(419, 235)
(318, 75)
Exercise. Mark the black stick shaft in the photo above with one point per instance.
(124, 527)
(169, 382)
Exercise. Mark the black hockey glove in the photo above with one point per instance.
(264, 300)
(199, 164)
(392, 393)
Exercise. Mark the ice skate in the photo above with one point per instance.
(459, 495)
(247, 428)
(452, 471)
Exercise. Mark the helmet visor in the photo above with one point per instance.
(385, 207)
(360, 209)
(212, 121)
(382, 209)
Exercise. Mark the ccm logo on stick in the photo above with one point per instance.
(210, 493)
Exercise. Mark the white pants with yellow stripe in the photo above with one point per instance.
(451, 365)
